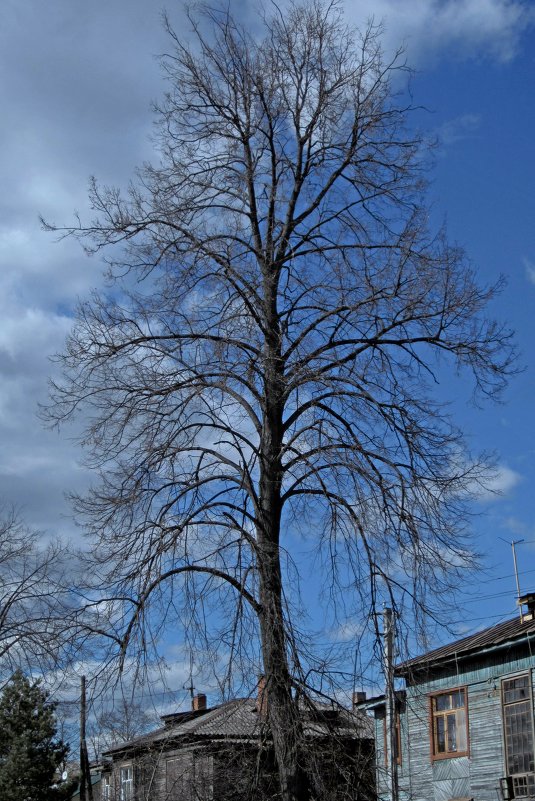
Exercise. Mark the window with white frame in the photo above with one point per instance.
(106, 788)
(127, 783)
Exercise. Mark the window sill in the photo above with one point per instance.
(440, 757)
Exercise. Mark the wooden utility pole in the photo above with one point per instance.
(86, 789)
(390, 697)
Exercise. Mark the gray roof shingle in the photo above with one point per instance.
(239, 720)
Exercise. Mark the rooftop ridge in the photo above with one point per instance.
(497, 635)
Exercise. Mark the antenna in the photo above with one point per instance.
(514, 543)
(190, 687)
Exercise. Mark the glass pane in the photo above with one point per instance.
(518, 735)
(462, 744)
(452, 733)
(516, 689)
(457, 699)
(440, 735)
(442, 702)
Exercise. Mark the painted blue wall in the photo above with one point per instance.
(477, 775)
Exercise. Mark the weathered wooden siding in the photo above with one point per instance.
(381, 758)
(477, 775)
(152, 777)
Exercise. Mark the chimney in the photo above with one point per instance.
(261, 696)
(527, 600)
(359, 696)
(198, 702)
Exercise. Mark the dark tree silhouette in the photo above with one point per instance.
(30, 751)
(264, 364)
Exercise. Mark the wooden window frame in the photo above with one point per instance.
(511, 677)
(433, 715)
(178, 772)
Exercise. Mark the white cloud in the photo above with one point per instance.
(500, 482)
(466, 28)
(530, 270)
(517, 527)
(349, 630)
(457, 129)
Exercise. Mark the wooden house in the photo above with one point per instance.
(223, 753)
(463, 726)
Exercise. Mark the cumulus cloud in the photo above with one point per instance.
(465, 28)
(75, 89)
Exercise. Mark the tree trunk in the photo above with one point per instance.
(282, 709)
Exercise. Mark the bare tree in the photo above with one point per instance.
(118, 720)
(264, 364)
(30, 575)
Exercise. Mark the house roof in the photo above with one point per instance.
(506, 634)
(239, 720)
(378, 701)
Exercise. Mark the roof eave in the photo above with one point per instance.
(422, 664)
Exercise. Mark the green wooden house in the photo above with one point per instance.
(463, 726)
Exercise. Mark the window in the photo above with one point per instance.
(190, 776)
(517, 710)
(106, 789)
(127, 783)
(449, 723)
(179, 775)
(203, 788)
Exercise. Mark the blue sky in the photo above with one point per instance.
(483, 110)
(76, 83)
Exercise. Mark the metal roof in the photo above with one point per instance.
(508, 633)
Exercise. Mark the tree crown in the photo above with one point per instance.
(264, 366)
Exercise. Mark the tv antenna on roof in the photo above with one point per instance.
(191, 688)
(513, 544)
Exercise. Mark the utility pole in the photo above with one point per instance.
(390, 697)
(86, 789)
